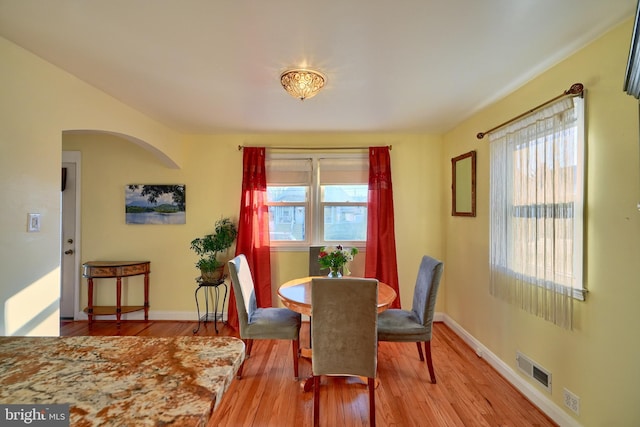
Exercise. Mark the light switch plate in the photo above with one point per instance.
(33, 222)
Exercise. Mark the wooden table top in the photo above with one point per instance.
(108, 269)
(296, 295)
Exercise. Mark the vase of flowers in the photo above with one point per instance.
(336, 259)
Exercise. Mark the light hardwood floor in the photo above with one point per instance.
(468, 391)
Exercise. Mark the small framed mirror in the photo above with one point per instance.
(463, 185)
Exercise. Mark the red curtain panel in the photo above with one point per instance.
(253, 229)
(380, 259)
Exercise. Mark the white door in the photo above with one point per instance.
(69, 261)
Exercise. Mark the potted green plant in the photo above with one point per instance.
(211, 246)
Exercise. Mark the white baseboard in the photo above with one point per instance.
(546, 405)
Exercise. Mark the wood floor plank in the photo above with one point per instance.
(468, 391)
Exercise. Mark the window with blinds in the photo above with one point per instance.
(317, 199)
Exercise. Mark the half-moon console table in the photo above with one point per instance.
(118, 269)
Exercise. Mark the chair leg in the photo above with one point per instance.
(316, 400)
(420, 351)
(239, 373)
(247, 344)
(372, 401)
(427, 347)
(295, 344)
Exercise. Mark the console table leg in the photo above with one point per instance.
(90, 302)
(118, 299)
(146, 297)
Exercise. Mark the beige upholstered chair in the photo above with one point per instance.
(261, 323)
(415, 325)
(344, 316)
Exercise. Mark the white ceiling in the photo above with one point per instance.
(213, 66)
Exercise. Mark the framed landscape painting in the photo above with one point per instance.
(155, 204)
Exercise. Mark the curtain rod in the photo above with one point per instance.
(240, 147)
(574, 90)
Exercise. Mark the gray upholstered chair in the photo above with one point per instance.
(344, 316)
(314, 265)
(415, 325)
(261, 323)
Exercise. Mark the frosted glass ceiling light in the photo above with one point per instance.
(302, 83)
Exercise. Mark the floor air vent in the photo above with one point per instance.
(534, 371)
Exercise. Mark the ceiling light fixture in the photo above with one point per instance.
(302, 83)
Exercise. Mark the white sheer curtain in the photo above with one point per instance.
(537, 173)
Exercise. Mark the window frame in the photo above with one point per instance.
(314, 206)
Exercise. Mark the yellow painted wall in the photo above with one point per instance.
(598, 360)
(38, 103)
(212, 173)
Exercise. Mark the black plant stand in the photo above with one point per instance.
(216, 287)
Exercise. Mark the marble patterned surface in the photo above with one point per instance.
(121, 381)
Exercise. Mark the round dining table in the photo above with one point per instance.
(296, 296)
